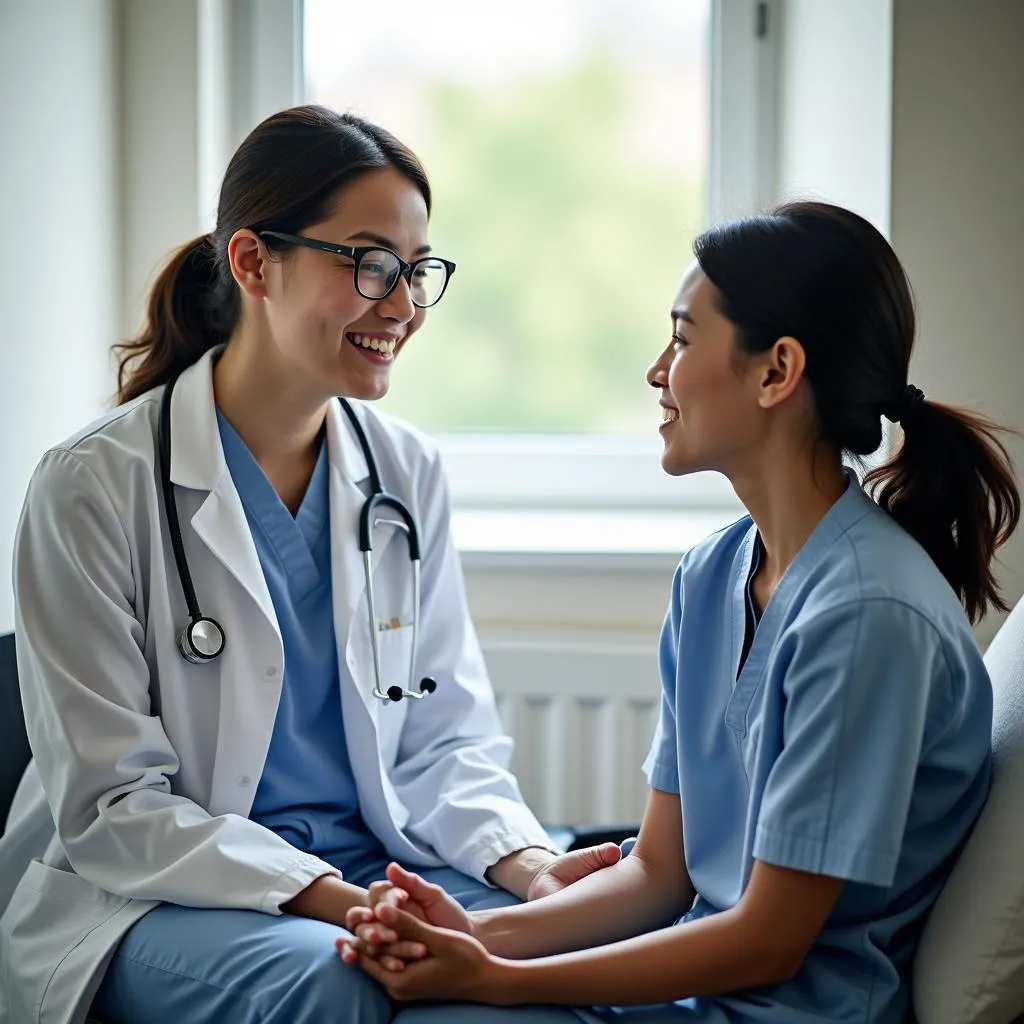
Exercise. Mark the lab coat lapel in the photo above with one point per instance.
(219, 523)
(197, 462)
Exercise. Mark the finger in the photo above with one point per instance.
(374, 969)
(426, 894)
(396, 897)
(375, 933)
(403, 950)
(366, 948)
(407, 926)
(377, 892)
(357, 916)
(393, 964)
(593, 858)
(402, 879)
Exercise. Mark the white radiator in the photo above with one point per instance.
(582, 714)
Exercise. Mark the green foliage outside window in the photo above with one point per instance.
(569, 242)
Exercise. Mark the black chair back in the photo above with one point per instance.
(14, 749)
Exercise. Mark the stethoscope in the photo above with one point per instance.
(203, 639)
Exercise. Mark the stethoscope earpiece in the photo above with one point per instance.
(428, 685)
(395, 693)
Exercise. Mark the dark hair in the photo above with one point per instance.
(285, 176)
(825, 276)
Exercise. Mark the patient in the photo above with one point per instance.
(823, 747)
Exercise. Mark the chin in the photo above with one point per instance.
(678, 465)
(673, 468)
(363, 389)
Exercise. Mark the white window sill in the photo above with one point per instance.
(601, 539)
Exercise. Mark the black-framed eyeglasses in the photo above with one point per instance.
(376, 270)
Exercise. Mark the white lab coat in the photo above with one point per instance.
(148, 765)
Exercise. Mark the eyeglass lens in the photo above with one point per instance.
(379, 270)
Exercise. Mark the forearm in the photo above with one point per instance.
(710, 956)
(617, 902)
(328, 898)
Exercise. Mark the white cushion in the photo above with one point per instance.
(969, 967)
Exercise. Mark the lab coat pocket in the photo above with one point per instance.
(395, 650)
(52, 938)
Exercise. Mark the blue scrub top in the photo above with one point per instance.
(307, 793)
(854, 742)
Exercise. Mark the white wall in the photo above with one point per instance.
(958, 207)
(159, 140)
(60, 251)
(835, 63)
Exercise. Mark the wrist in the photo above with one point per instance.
(517, 871)
(327, 898)
(485, 927)
(492, 984)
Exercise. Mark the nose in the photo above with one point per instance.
(398, 305)
(657, 372)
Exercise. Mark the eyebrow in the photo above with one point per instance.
(370, 236)
(682, 314)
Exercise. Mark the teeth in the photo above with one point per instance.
(384, 345)
(670, 414)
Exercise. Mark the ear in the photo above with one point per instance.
(248, 261)
(781, 372)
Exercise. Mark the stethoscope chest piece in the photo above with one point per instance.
(201, 640)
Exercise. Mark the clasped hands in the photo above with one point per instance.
(415, 940)
(419, 943)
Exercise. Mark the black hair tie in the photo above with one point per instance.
(908, 405)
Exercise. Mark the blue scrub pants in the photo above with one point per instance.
(181, 964)
(242, 967)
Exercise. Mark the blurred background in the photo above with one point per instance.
(575, 147)
(569, 153)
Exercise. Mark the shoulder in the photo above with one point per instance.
(103, 456)
(876, 570)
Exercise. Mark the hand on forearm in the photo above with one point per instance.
(615, 903)
(327, 898)
(516, 871)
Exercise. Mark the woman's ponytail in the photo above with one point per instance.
(191, 309)
(951, 486)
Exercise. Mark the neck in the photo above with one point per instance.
(278, 423)
(787, 497)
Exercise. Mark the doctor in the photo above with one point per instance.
(198, 819)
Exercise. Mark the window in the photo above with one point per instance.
(571, 151)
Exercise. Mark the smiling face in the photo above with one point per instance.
(710, 392)
(316, 327)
